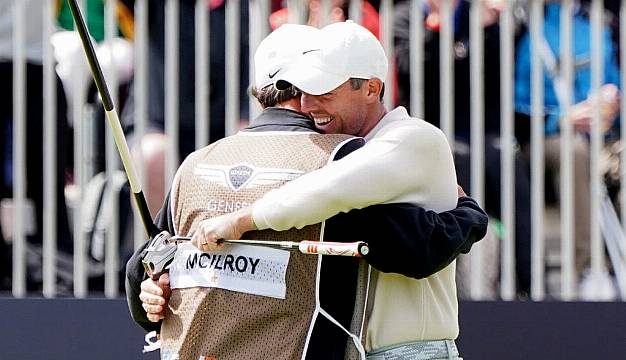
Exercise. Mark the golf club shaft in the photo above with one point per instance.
(356, 249)
(114, 122)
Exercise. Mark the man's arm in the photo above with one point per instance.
(414, 242)
(403, 238)
(411, 162)
(425, 240)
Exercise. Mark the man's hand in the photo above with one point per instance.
(154, 296)
(490, 11)
(230, 226)
(460, 191)
(581, 114)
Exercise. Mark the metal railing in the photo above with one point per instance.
(259, 11)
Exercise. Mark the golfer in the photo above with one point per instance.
(405, 160)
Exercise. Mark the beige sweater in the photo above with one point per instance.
(404, 160)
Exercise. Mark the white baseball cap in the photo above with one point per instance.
(279, 50)
(345, 50)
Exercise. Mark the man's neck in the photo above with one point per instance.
(291, 104)
(377, 114)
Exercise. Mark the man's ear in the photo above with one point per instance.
(374, 88)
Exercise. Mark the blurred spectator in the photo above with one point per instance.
(581, 112)
(611, 18)
(156, 144)
(34, 130)
(339, 11)
(461, 52)
(94, 15)
(114, 55)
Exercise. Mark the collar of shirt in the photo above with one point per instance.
(396, 114)
(279, 119)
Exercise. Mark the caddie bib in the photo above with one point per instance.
(245, 302)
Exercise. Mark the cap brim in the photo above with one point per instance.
(309, 79)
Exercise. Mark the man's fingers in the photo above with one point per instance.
(206, 239)
(151, 287)
(164, 280)
(216, 243)
(199, 239)
(152, 309)
(155, 317)
(151, 299)
(164, 284)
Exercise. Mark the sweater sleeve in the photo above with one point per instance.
(398, 165)
(414, 242)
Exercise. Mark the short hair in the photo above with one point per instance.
(269, 96)
(356, 83)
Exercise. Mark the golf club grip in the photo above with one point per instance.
(356, 249)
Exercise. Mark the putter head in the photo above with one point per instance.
(158, 255)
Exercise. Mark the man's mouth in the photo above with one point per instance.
(322, 121)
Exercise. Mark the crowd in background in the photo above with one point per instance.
(154, 144)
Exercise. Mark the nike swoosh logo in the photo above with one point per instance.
(308, 51)
(274, 74)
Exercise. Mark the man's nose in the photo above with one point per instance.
(308, 102)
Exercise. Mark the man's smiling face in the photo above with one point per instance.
(340, 111)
